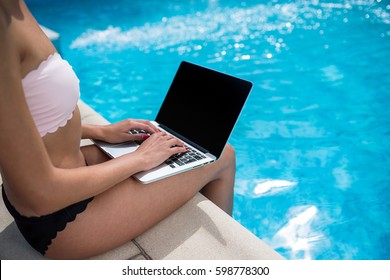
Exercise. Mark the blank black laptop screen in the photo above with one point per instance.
(203, 105)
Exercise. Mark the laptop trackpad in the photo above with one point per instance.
(117, 150)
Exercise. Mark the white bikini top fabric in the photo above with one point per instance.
(52, 91)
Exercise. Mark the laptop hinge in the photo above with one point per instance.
(203, 150)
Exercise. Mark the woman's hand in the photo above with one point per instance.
(158, 148)
(119, 132)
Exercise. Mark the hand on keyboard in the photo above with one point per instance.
(176, 160)
(184, 158)
(145, 135)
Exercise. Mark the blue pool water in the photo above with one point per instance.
(313, 142)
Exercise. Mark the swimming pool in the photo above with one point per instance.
(313, 141)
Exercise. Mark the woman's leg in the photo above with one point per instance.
(221, 190)
(130, 208)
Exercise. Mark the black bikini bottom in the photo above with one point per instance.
(40, 231)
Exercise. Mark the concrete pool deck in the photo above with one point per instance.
(198, 230)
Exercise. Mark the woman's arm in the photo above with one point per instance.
(118, 132)
(23, 158)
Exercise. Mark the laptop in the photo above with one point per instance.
(201, 108)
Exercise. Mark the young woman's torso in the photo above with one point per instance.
(63, 144)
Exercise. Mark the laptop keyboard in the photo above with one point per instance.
(178, 159)
(184, 158)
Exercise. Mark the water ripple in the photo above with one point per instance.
(297, 235)
(230, 26)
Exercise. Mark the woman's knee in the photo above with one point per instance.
(229, 149)
(229, 155)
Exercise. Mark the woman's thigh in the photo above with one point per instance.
(127, 210)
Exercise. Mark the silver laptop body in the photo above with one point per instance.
(201, 108)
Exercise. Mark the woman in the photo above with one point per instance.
(71, 202)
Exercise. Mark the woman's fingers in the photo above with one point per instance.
(159, 147)
(144, 125)
(171, 140)
(138, 137)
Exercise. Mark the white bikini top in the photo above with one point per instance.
(52, 91)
